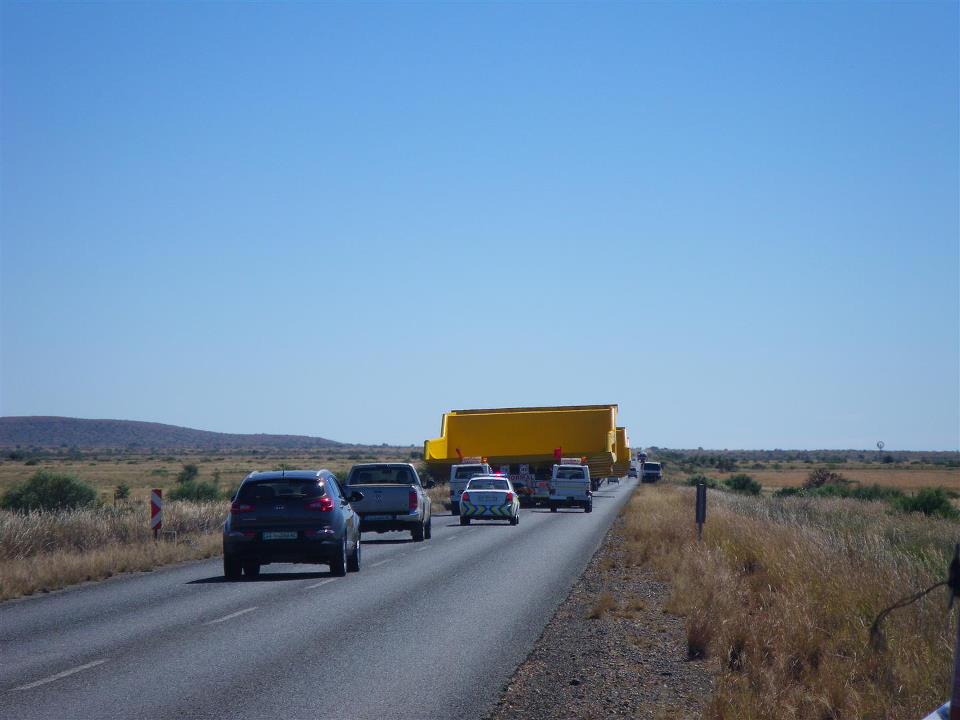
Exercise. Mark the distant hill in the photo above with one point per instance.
(61, 432)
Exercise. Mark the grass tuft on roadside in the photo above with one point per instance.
(779, 598)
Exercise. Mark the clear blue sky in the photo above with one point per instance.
(738, 221)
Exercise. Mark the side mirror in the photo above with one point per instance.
(355, 496)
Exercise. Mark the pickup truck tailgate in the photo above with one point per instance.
(564, 488)
(382, 499)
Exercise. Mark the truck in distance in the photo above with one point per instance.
(393, 499)
(651, 472)
(570, 485)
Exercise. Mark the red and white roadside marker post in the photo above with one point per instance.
(156, 511)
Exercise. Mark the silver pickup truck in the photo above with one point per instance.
(393, 499)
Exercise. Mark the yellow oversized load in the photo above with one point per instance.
(622, 465)
(525, 442)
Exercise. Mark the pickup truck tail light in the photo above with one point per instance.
(413, 501)
(465, 497)
(320, 504)
(509, 498)
(237, 508)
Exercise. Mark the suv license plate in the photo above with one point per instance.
(279, 536)
(378, 517)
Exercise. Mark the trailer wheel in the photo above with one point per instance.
(464, 520)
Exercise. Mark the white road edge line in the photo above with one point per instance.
(382, 562)
(58, 676)
(322, 582)
(238, 613)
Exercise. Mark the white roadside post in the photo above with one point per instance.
(156, 511)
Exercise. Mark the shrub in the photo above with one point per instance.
(425, 476)
(46, 490)
(789, 492)
(188, 474)
(929, 501)
(822, 476)
(743, 484)
(698, 478)
(121, 492)
(32, 461)
(195, 491)
(875, 492)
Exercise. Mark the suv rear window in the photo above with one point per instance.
(265, 491)
(465, 473)
(380, 476)
(653, 467)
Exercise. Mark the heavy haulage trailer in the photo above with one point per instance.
(525, 443)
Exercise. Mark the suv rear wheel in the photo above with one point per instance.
(428, 531)
(232, 567)
(338, 564)
(353, 563)
(251, 568)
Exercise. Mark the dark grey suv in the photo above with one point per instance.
(296, 516)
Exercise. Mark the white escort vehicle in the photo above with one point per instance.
(460, 475)
(570, 485)
(489, 497)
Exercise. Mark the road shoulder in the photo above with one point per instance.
(610, 650)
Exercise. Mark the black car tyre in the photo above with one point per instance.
(338, 565)
(251, 568)
(515, 519)
(428, 531)
(464, 520)
(455, 509)
(588, 507)
(418, 533)
(232, 567)
(553, 508)
(353, 563)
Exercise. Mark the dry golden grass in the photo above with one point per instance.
(440, 495)
(605, 603)
(780, 595)
(903, 477)
(46, 551)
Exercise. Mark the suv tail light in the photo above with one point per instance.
(465, 497)
(321, 504)
(413, 500)
(509, 498)
(236, 508)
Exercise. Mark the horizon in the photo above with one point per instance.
(741, 222)
(686, 448)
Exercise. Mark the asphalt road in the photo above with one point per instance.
(425, 630)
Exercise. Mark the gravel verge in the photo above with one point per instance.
(610, 650)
